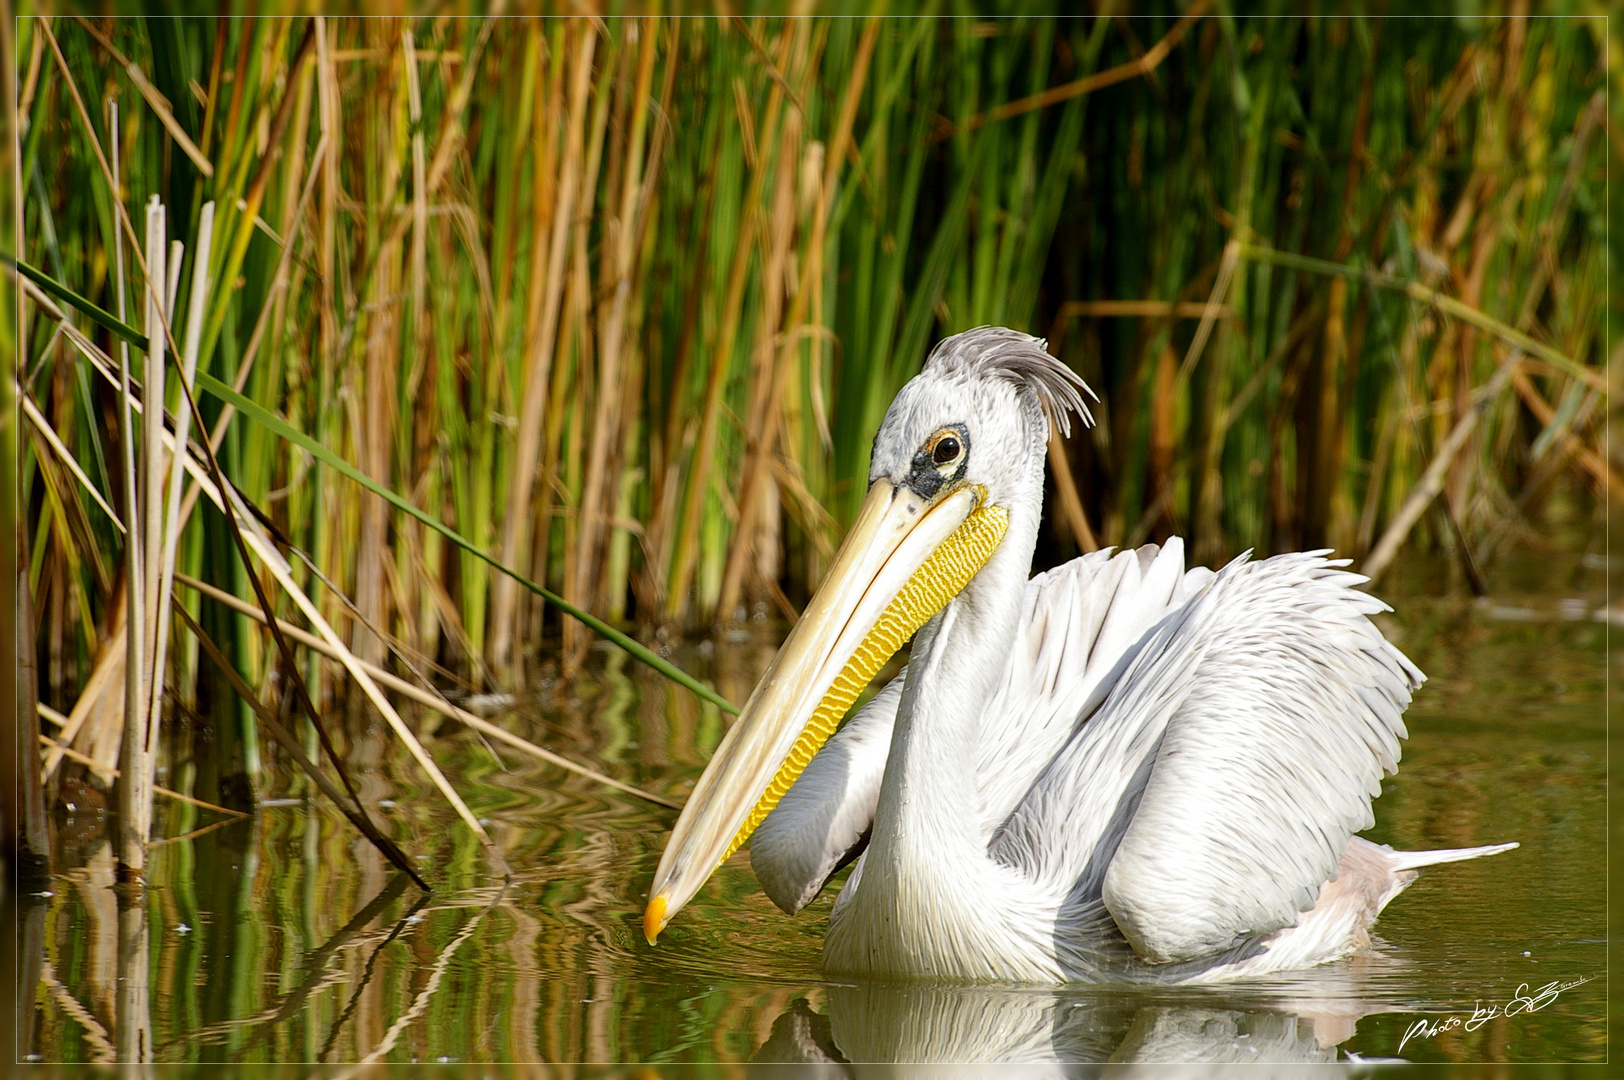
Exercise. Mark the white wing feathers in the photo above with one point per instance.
(1081, 624)
(1267, 765)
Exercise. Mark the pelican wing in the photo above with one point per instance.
(1081, 625)
(1215, 789)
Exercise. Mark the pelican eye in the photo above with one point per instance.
(944, 451)
(940, 459)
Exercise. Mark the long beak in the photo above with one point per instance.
(903, 560)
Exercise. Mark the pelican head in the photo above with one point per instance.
(957, 458)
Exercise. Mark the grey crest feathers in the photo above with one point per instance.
(1019, 358)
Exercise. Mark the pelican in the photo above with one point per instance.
(1118, 770)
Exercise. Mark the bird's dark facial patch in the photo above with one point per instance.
(940, 461)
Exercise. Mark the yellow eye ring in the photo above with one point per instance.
(945, 449)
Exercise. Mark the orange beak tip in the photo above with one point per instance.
(654, 919)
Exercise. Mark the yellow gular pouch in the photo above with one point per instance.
(939, 579)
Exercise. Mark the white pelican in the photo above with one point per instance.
(1119, 769)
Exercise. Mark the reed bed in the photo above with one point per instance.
(617, 304)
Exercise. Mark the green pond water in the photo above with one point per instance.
(286, 938)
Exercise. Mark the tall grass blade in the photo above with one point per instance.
(132, 764)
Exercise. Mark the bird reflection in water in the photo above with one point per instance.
(916, 1023)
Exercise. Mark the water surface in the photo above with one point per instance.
(287, 938)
